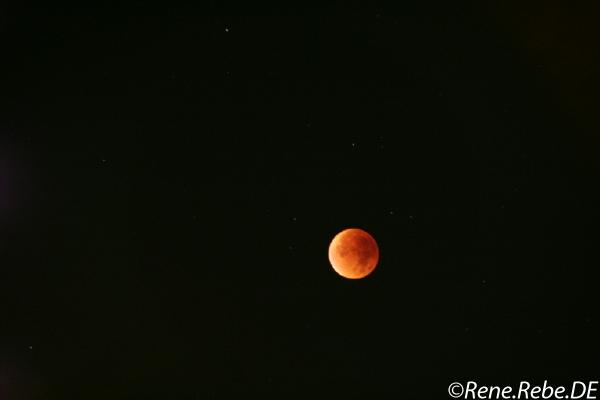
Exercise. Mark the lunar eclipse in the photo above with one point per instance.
(353, 253)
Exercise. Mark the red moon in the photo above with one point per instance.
(353, 253)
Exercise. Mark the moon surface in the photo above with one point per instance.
(353, 253)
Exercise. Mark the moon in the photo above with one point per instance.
(353, 253)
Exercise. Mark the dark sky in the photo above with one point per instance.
(171, 177)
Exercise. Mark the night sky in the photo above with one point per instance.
(171, 177)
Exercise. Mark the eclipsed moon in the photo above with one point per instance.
(353, 253)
